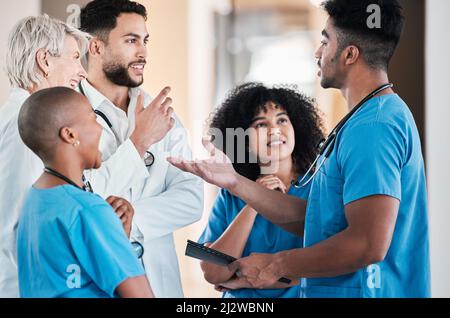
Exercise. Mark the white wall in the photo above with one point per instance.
(438, 141)
(17, 10)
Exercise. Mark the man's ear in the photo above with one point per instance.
(42, 61)
(351, 54)
(96, 47)
(68, 135)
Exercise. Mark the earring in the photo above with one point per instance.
(77, 143)
(46, 75)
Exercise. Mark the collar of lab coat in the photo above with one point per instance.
(14, 102)
(97, 99)
(122, 123)
(19, 94)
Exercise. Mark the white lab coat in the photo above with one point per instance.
(20, 168)
(165, 199)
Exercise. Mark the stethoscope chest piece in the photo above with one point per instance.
(138, 249)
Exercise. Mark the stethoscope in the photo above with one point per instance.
(86, 185)
(149, 158)
(138, 247)
(326, 146)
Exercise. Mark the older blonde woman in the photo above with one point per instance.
(42, 52)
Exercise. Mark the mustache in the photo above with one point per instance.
(139, 61)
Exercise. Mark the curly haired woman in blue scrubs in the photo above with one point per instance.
(284, 129)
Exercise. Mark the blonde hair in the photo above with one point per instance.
(30, 35)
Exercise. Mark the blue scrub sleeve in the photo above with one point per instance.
(217, 222)
(100, 244)
(371, 158)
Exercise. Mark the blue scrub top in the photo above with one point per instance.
(72, 244)
(378, 152)
(265, 237)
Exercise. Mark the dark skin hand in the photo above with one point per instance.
(241, 282)
(286, 211)
(234, 239)
(366, 240)
(124, 211)
(135, 287)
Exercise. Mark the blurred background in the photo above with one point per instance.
(203, 48)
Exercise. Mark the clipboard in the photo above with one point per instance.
(203, 253)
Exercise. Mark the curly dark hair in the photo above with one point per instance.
(246, 101)
(99, 17)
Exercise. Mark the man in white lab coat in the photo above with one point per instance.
(165, 199)
(19, 166)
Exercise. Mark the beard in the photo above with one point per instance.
(327, 82)
(332, 80)
(118, 74)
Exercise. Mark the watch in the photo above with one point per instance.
(149, 159)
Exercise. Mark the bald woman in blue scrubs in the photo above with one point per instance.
(365, 221)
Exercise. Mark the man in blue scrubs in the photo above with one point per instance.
(365, 222)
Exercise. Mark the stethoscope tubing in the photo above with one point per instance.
(326, 147)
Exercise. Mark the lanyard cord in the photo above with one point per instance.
(98, 112)
(329, 142)
(63, 177)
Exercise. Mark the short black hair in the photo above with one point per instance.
(377, 45)
(43, 114)
(246, 101)
(99, 17)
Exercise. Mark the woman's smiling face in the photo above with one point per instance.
(66, 70)
(272, 136)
